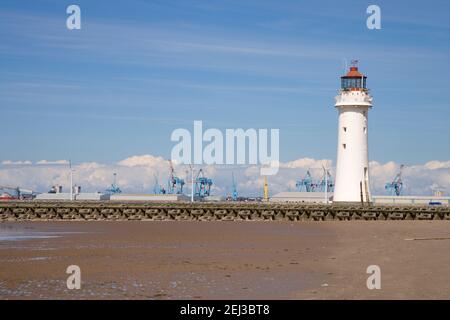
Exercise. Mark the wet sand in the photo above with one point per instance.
(225, 260)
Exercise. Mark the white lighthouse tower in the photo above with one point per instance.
(352, 167)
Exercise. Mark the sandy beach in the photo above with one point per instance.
(225, 260)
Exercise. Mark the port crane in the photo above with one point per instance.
(202, 185)
(157, 188)
(326, 183)
(306, 184)
(114, 188)
(234, 193)
(395, 187)
(175, 184)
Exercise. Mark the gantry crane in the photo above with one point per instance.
(395, 187)
(325, 181)
(202, 185)
(114, 188)
(157, 188)
(234, 193)
(306, 184)
(175, 184)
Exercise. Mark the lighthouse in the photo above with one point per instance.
(352, 166)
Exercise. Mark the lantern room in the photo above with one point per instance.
(353, 80)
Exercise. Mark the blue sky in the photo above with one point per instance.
(137, 70)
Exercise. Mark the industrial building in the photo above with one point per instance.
(299, 197)
(56, 193)
(320, 197)
(213, 198)
(87, 196)
(149, 197)
(427, 200)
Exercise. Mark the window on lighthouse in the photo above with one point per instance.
(348, 83)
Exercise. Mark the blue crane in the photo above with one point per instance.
(157, 188)
(396, 186)
(202, 185)
(114, 188)
(175, 184)
(234, 193)
(326, 180)
(305, 184)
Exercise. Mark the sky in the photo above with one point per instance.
(137, 70)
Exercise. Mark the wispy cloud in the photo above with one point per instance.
(219, 62)
(147, 44)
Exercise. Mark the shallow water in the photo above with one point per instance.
(15, 236)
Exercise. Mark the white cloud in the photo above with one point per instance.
(137, 174)
(143, 160)
(50, 162)
(307, 163)
(437, 165)
(417, 179)
(89, 165)
(12, 163)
